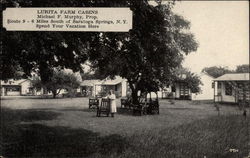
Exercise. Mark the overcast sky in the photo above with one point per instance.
(222, 30)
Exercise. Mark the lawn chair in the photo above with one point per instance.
(93, 102)
(153, 107)
(103, 108)
(126, 103)
(141, 108)
(123, 102)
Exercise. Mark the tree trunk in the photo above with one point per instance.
(44, 90)
(58, 92)
(54, 93)
(134, 92)
(135, 98)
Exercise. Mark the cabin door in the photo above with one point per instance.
(184, 91)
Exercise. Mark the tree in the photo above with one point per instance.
(243, 68)
(40, 52)
(12, 71)
(91, 75)
(58, 81)
(216, 71)
(191, 79)
(148, 54)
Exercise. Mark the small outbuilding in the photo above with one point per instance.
(118, 85)
(206, 89)
(181, 90)
(17, 87)
(101, 88)
(87, 87)
(232, 88)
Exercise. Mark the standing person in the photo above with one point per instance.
(112, 98)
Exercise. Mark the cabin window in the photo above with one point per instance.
(16, 89)
(104, 88)
(228, 89)
(240, 85)
(38, 89)
(213, 85)
(219, 85)
(173, 88)
(13, 89)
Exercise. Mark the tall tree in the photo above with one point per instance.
(148, 54)
(42, 51)
(245, 68)
(192, 80)
(59, 80)
(217, 71)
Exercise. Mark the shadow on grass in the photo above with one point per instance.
(37, 97)
(26, 115)
(173, 108)
(120, 111)
(37, 140)
(85, 109)
(124, 111)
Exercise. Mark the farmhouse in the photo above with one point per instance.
(232, 88)
(17, 87)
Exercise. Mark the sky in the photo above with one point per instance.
(222, 31)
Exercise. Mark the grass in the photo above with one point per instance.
(211, 137)
(67, 128)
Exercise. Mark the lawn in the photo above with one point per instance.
(67, 128)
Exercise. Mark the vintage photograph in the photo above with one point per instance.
(124, 79)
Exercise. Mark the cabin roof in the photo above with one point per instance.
(14, 82)
(89, 82)
(111, 82)
(106, 81)
(234, 77)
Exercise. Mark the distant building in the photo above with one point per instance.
(232, 88)
(181, 90)
(101, 88)
(207, 88)
(17, 87)
(118, 85)
(87, 87)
